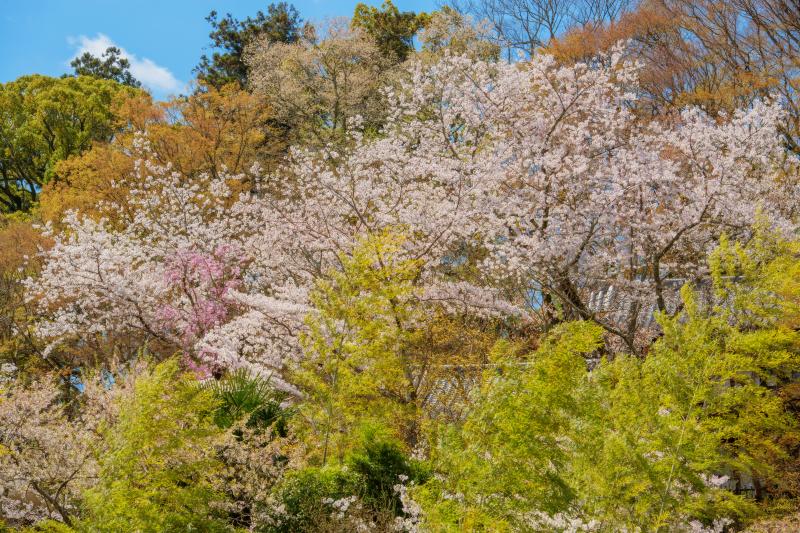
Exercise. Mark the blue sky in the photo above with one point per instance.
(162, 38)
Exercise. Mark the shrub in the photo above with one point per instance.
(159, 463)
(379, 466)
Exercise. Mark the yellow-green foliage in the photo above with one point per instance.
(48, 526)
(513, 452)
(356, 369)
(759, 283)
(158, 467)
(636, 444)
(692, 410)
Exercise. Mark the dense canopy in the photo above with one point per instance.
(503, 266)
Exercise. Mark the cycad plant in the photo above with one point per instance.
(244, 395)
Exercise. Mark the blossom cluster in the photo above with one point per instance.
(539, 175)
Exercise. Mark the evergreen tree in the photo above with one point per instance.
(230, 37)
(110, 66)
(393, 30)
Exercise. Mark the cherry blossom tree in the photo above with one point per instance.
(524, 190)
(542, 176)
(178, 268)
(48, 438)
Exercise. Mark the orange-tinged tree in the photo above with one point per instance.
(19, 242)
(719, 55)
(45, 120)
(207, 132)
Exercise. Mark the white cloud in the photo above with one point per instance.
(152, 75)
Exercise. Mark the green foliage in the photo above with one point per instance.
(512, 452)
(47, 526)
(302, 495)
(356, 369)
(158, 465)
(759, 284)
(368, 475)
(281, 23)
(635, 443)
(392, 30)
(243, 395)
(111, 66)
(691, 411)
(45, 120)
(379, 464)
(757, 288)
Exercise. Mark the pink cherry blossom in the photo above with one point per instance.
(539, 176)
